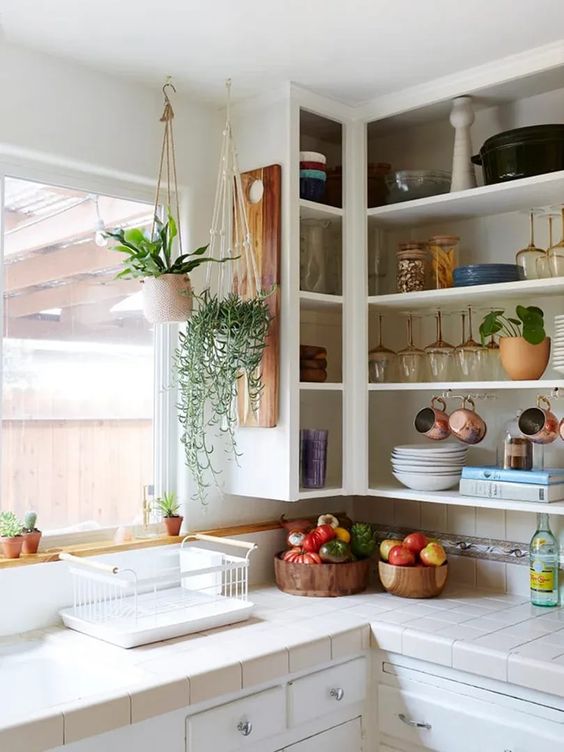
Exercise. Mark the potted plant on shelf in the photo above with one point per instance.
(524, 347)
(11, 535)
(168, 507)
(31, 535)
(167, 290)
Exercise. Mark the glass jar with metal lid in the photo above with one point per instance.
(412, 266)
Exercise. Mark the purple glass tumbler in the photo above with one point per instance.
(313, 456)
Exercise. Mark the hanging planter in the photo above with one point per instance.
(156, 257)
(167, 298)
(219, 356)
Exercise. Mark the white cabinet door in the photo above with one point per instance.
(347, 736)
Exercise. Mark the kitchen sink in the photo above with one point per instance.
(36, 675)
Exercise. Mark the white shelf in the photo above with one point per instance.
(467, 386)
(316, 300)
(320, 493)
(455, 297)
(312, 386)
(388, 491)
(515, 195)
(314, 210)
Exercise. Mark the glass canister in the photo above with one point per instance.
(443, 250)
(412, 264)
(517, 449)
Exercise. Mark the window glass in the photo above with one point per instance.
(77, 366)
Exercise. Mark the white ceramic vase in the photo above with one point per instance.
(167, 298)
(461, 118)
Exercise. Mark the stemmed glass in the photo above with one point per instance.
(381, 360)
(470, 354)
(556, 254)
(439, 353)
(411, 360)
(531, 258)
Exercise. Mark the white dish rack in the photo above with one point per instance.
(204, 588)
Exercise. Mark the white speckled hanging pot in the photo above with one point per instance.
(167, 298)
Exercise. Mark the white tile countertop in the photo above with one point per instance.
(88, 687)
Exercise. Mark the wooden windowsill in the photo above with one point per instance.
(108, 547)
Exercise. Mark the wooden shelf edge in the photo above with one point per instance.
(109, 547)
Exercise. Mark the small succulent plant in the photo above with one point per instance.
(30, 518)
(167, 505)
(10, 526)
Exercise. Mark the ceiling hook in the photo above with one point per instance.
(168, 83)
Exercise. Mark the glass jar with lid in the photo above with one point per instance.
(516, 450)
(443, 250)
(412, 266)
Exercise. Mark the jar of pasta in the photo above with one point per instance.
(443, 251)
(412, 263)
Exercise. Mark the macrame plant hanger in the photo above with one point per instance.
(167, 166)
(229, 234)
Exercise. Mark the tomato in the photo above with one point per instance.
(335, 551)
(318, 536)
(295, 538)
(298, 556)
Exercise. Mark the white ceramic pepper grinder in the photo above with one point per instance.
(461, 118)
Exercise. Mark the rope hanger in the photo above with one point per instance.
(230, 234)
(167, 164)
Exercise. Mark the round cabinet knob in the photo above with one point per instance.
(337, 693)
(245, 727)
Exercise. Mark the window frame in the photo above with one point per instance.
(90, 179)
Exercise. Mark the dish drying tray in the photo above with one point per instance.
(204, 589)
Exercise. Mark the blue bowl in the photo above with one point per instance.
(312, 189)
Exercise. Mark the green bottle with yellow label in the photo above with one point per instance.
(544, 560)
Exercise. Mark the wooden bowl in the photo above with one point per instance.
(321, 580)
(413, 582)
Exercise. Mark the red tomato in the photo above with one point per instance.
(318, 536)
(298, 556)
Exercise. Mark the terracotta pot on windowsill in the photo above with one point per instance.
(173, 525)
(12, 547)
(521, 360)
(31, 541)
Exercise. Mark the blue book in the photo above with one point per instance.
(547, 477)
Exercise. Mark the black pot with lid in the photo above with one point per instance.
(522, 152)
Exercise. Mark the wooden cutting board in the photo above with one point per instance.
(265, 226)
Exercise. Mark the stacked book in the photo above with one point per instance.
(513, 485)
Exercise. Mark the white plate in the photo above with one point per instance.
(424, 449)
(427, 482)
(435, 462)
(417, 470)
(444, 456)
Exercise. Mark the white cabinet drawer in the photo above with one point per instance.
(239, 724)
(347, 736)
(446, 722)
(326, 691)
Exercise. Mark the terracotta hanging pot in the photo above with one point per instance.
(173, 525)
(12, 547)
(521, 360)
(167, 298)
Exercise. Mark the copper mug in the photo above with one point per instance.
(432, 422)
(539, 424)
(466, 424)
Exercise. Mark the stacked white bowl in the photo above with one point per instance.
(429, 468)
(558, 344)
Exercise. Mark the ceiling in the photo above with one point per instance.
(352, 50)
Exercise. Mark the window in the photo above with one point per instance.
(77, 398)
